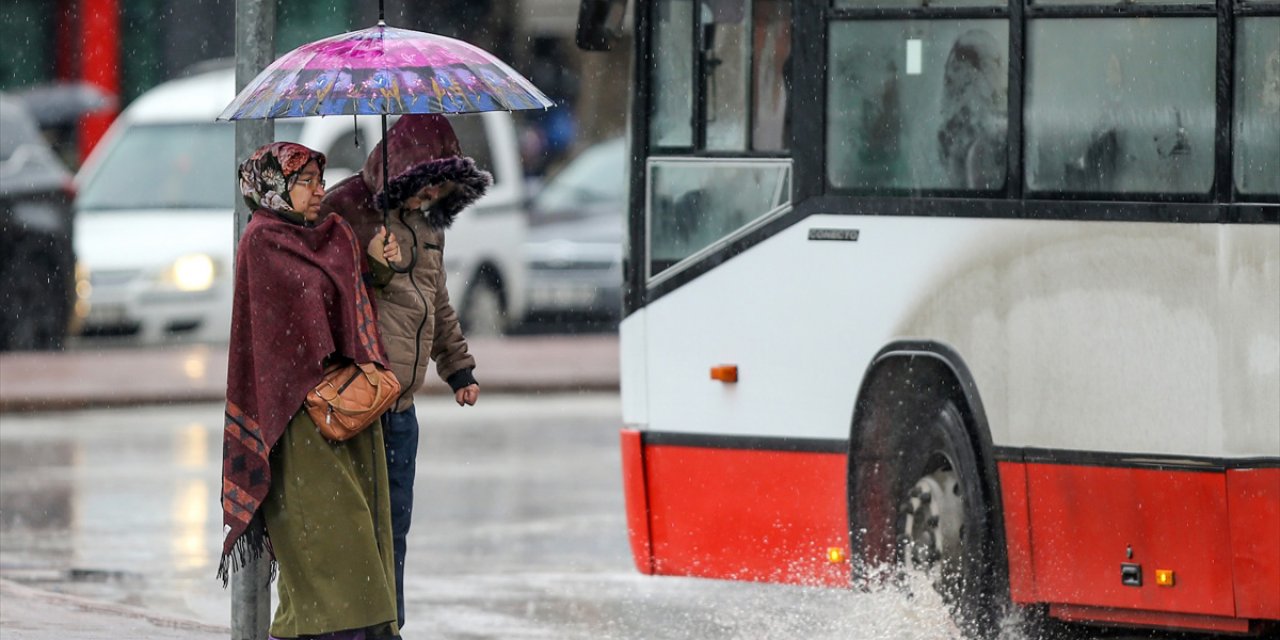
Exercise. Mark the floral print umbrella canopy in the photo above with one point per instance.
(384, 70)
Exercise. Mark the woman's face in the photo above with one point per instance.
(307, 191)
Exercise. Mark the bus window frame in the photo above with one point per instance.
(1222, 191)
(812, 193)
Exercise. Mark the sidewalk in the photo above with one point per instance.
(189, 373)
(32, 614)
(121, 377)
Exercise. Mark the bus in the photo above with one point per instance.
(985, 290)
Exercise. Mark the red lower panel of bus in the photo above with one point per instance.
(1093, 538)
(763, 515)
(633, 489)
(729, 513)
(1156, 619)
(1253, 500)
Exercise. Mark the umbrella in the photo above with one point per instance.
(384, 71)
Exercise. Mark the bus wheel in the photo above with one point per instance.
(943, 527)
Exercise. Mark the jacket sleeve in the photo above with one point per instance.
(379, 274)
(449, 348)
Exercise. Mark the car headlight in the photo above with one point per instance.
(194, 272)
(80, 305)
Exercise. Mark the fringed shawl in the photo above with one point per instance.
(299, 299)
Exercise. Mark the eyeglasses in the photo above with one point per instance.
(311, 183)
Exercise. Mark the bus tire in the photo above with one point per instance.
(936, 510)
(943, 525)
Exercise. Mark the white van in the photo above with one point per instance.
(155, 223)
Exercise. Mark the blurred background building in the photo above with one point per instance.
(125, 47)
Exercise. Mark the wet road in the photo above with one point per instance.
(518, 529)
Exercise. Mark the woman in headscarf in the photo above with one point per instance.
(320, 509)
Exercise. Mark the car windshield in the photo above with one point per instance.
(170, 166)
(596, 175)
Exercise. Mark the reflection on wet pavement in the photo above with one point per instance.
(37, 494)
(122, 505)
(117, 505)
(519, 529)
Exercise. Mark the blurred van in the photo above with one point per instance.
(155, 221)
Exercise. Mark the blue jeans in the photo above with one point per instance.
(400, 432)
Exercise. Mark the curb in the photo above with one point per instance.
(126, 400)
(118, 378)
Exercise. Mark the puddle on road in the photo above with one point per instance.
(631, 606)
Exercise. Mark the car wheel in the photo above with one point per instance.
(939, 516)
(35, 301)
(482, 316)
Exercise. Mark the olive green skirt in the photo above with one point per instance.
(328, 515)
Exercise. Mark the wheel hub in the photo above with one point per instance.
(932, 522)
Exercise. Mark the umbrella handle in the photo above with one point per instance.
(412, 245)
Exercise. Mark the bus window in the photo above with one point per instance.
(1097, 2)
(1133, 112)
(1257, 104)
(671, 106)
(917, 105)
(858, 4)
(726, 50)
(741, 70)
(771, 60)
(695, 203)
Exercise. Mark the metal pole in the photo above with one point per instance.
(255, 49)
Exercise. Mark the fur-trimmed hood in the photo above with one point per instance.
(423, 150)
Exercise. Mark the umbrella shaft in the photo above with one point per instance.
(386, 169)
(386, 206)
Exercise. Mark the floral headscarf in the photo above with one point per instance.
(268, 174)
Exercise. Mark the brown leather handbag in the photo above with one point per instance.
(350, 398)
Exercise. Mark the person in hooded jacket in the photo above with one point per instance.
(429, 182)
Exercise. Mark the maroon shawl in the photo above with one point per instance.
(299, 298)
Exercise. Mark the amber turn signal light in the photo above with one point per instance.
(725, 373)
(1164, 577)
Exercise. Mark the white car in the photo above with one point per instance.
(576, 229)
(155, 222)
